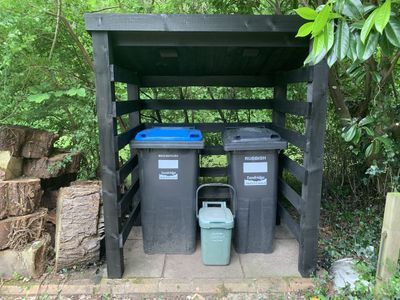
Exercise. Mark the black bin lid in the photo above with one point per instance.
(252, 138)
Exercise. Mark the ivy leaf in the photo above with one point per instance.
(306, 13)
(81, 92)
(321, 20)
(382, 16)
(305, 29)
(392, 32)
(369, 23)
(370, 48)
(39, 98)
(341, 45)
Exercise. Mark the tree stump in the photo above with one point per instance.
(17, 232)
(48, 167)
(28, 262)
(19, 197)
(10, 166)
(77, 236)
(26, 142)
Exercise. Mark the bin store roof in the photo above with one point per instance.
(202, 45)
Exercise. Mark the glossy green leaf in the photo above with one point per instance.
(353, 9)
(321, 20)
(332, 57)
(352, 52)
(371, 45)
(368, 9)
(306, 13)
(365, 121)
(342, 41)
(368, 151)
(369, 131)
(328, 36)
(392, 31)
(305, 29)
(382, 16)
(386, 46)
(350, 133)
(385, 140)
(318, 45)
(369, 23)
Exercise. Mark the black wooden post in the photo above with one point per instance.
(278, 119)
(105, 97)
(134, 120)
(313, 162)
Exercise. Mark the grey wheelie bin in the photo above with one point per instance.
(253, 172)
(168, 173)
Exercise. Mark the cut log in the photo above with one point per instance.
(19, 196)
(28, 262)
(48, 167)
(77, 236)
(49, 199)
(57, 182)
(10, 166)
(17, 232)
(26, 142)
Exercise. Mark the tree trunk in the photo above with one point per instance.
(10, 166)
(77, 234)
(48, 167)
(337, 96)
(19, 197)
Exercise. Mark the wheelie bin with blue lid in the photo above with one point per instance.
(168, 175)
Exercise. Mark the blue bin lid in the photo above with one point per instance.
(169, 134)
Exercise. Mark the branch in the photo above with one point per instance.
(337, 96)
(389, 72)
(221, 113)
(106, 8)
(58, 3)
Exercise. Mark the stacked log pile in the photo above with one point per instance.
(30, 174)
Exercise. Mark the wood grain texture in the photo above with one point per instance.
(10, 166)
(19, 197)
(49, 167)
(77, 237)
(27, 142)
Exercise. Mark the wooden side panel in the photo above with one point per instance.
(313, 162)
(108, 153)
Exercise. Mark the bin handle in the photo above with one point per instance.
(217, 184)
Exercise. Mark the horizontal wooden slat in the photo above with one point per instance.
(228, 81)
(292, 107)
(213, 150)
(126, 229)
(209, 127)
(294, 168)
(127, 168)
(126, 107)
(213, 172)
(287, 219)
(291, 136)
(127, 198)
(161, 104)
(124, 139)
(295, 76)
(290, 194)
(119, 74)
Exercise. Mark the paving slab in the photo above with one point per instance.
(136, 233)
(140, 264)
(281, 262)
(191, 266)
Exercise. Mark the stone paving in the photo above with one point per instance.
(248, 276)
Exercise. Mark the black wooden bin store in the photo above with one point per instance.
(144, 51)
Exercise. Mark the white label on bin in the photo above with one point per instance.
(255, 180)
(255, 167)
(168, 164)
(168, 175)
